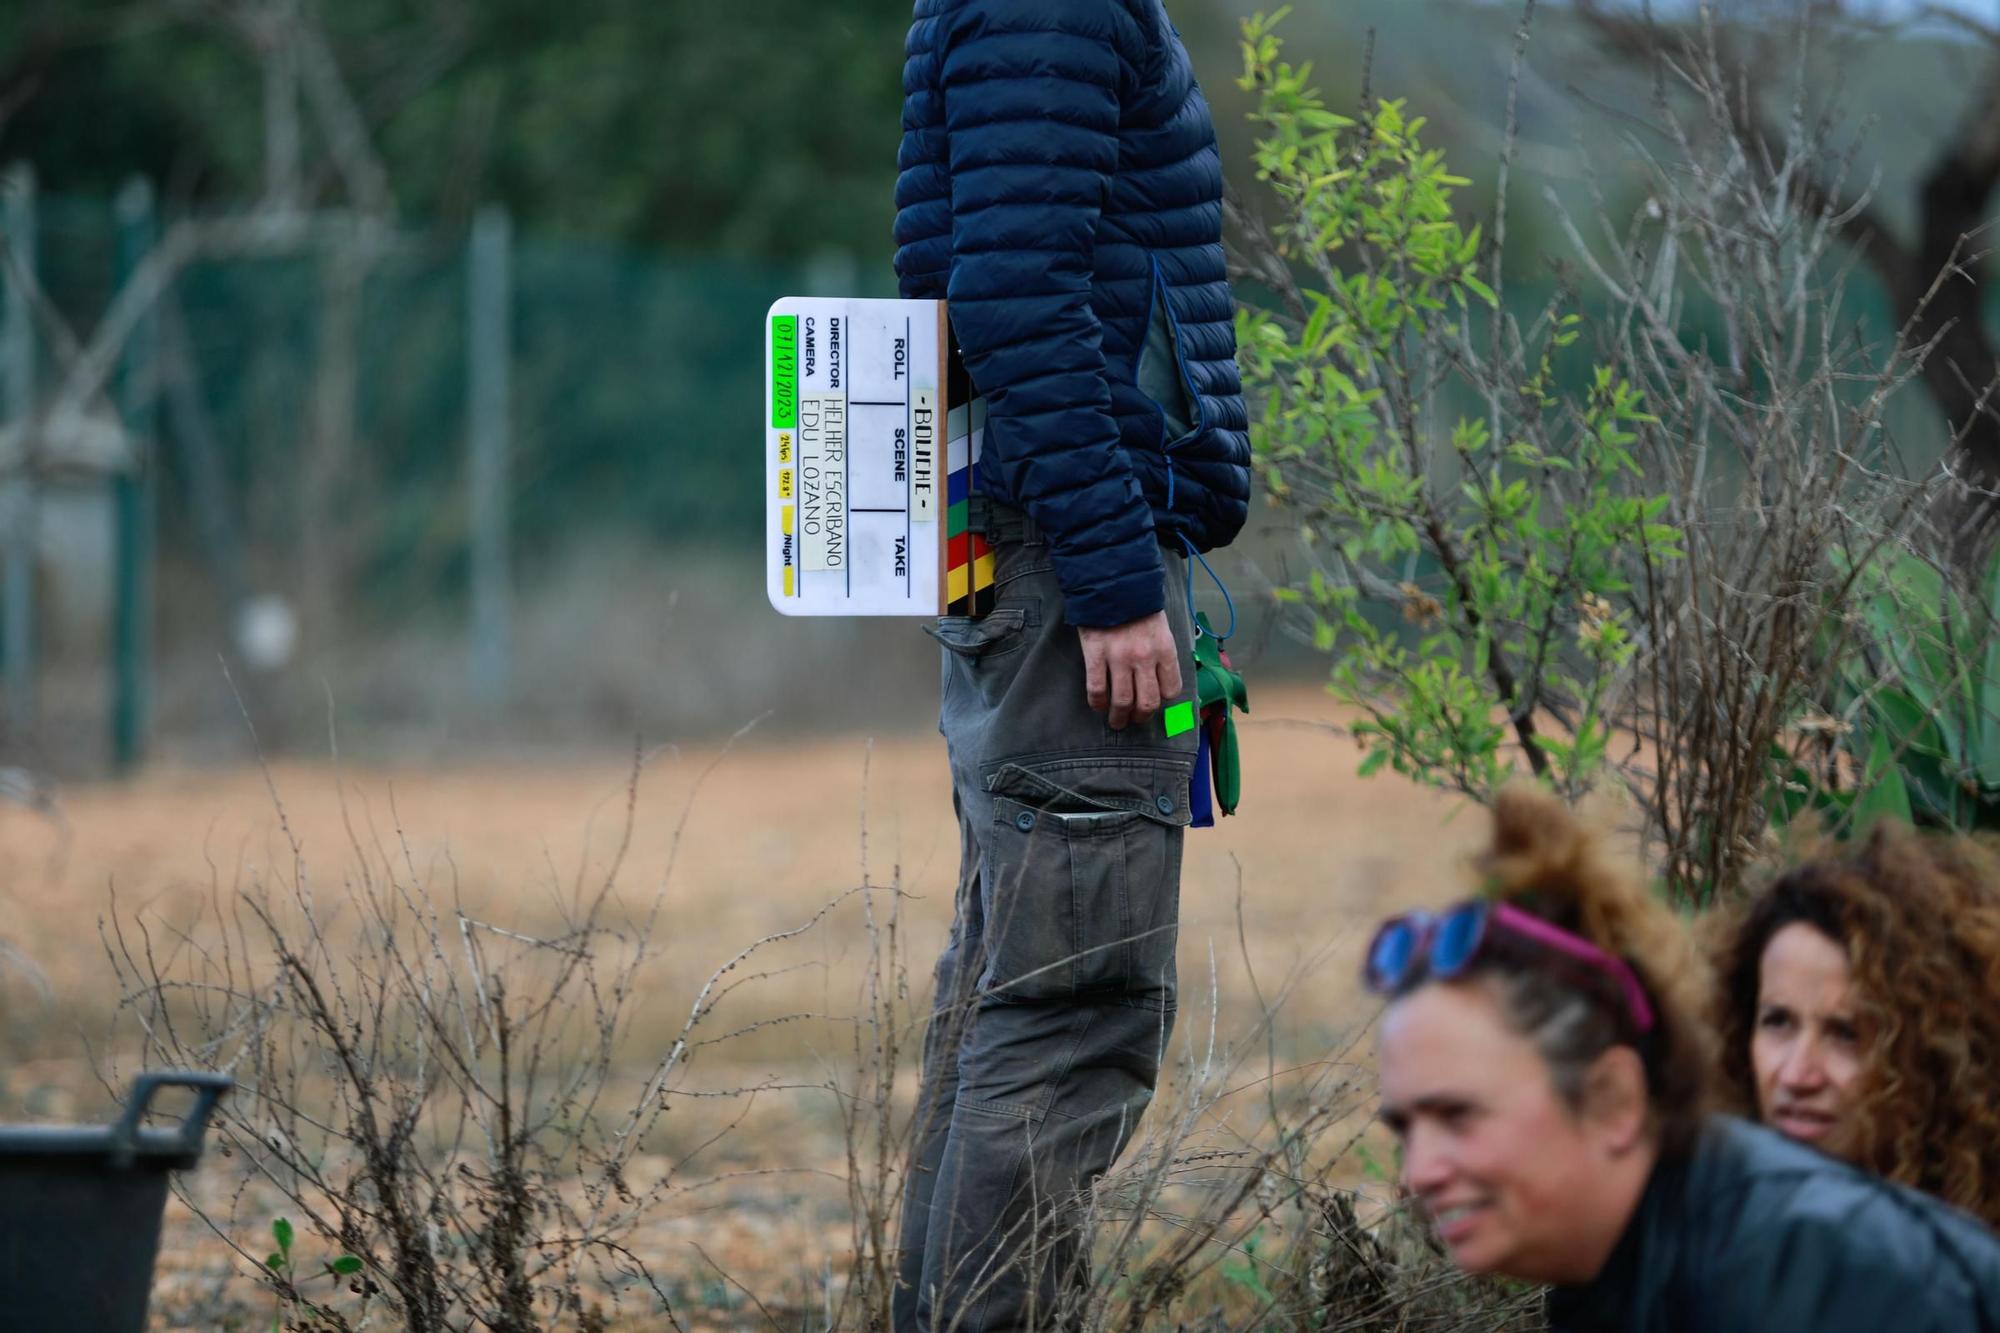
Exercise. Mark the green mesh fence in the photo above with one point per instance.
(633, 416)
(633, 404)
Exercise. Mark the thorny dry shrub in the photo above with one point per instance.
(434, 1094)
(1289, 1225)
(1792, 455)
(444, 1098)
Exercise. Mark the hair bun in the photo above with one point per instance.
(1542, 854)
(1544, 859)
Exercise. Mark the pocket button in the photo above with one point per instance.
(1025, 820)
(1165, 804)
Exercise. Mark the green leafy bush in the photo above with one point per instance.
(1606, 535)
(1503, 518)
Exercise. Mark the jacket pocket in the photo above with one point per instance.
(1162, 373)
(1082, 880)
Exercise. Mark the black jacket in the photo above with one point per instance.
(1752, 1233)
(1060, 184)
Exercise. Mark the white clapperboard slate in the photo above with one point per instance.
(856, 456)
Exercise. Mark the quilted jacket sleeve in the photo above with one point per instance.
(1031, 104)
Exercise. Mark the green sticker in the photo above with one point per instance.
(1179, 717)
(784, 371)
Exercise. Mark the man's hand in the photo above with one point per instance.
(1130, 669)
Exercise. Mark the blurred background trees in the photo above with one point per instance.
(667, 169)
(671, 126)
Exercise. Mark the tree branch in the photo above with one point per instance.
(1963, 365)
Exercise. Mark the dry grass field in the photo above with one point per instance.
(739, 846)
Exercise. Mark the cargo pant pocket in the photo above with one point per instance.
(1082, 879)
(981, 653)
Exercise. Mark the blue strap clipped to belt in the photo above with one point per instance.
(1228, 602)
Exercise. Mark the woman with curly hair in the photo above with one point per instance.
(1543, 1064)
(1859, 1010)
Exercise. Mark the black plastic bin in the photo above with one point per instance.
(80, 1210)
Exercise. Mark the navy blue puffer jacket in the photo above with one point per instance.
(1060, 185)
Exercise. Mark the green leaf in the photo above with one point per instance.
(1243, 1272)
(282, 1230)
(1316, 326)
(1987, 760)
(1373, 763)
(344, 1265)
(1902, 716)
(274, 1261)
(1885, 795)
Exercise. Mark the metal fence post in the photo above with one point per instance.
(489, 345)
(19, 516)
(133, 489)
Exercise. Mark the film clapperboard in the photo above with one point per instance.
(872, 442)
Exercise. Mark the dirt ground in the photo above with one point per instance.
(742, 845)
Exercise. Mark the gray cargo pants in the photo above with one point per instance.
(1055, 991)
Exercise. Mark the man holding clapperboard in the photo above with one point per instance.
(1061, 193)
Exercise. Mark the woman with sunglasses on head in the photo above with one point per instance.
(1542, 1065)
(1858, 1006)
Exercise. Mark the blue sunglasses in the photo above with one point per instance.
(1452, 940)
